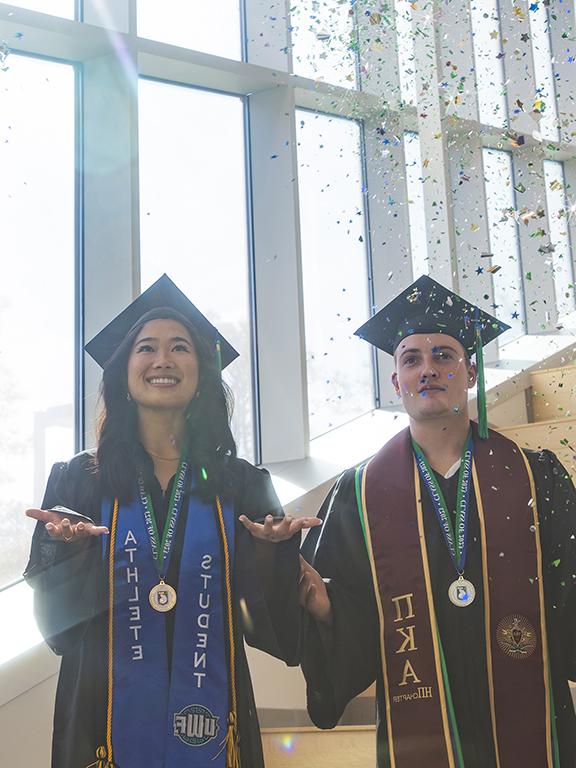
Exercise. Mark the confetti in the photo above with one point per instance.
(4, 53)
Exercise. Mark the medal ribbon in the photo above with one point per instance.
(455, 541)
(161, 551)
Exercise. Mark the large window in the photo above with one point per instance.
(193, 217)
(37, 328)
(504, 240)
(209, 27)
(557, 252)
(334, 267)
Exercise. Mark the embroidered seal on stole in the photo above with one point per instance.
(516, 636)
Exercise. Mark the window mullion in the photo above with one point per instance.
(278, 280)
(110, 14)
(432, 127)
(537, 275)
(389, 234)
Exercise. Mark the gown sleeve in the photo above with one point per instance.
(557, 517)
(64, 575)
(266, 574)
(340, 661)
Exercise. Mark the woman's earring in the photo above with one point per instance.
(128, 396)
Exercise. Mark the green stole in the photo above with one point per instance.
(421, 722)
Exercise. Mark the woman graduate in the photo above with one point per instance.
(145, 582)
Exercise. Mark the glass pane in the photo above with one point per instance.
(504, 240)
(199, 26)
(488, 57)
(37, 330)
(558, 256)
(416, 209)
(64, 8)
(334, 267)
(324, 41)
(545, 98)
(193, 217)
(406, 53)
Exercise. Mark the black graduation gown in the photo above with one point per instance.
(70, 598)
(342, 661)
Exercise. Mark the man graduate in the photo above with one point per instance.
(446, 567)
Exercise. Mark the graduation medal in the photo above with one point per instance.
(163, 596)
(461, 592)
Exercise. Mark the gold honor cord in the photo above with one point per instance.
(551, 739)
(363, 509)
(230, 741)
(104, 754)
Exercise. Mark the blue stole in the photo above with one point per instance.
(163, 720)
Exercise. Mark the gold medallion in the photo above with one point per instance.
(461, 592)
(162, 597)
(516, 637)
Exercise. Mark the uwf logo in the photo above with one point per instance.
(195, 725)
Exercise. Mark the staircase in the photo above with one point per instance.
(551, 409)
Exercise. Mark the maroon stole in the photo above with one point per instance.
(422, 730)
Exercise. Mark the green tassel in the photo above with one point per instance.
(481, 397)
(219, 354)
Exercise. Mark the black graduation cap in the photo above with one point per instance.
(162, 293)
(428, 307)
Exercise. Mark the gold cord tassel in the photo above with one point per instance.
(232, 745)
(101, 759)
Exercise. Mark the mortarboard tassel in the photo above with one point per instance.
(219, 353)
(481, 397)
(232, 747)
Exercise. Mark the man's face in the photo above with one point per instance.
(432, 376)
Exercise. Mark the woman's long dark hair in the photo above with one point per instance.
(208, 439)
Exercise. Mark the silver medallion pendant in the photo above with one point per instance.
(162, 597)
(461, 592)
